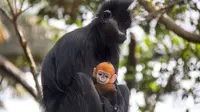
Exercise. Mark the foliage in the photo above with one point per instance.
(71, 11)
(164, 60)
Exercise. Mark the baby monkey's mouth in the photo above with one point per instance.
(101, 82)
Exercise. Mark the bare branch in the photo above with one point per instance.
(20, 9)
(1, 80)
(11, 8)
(16, 74)
(131, 63)
(15, 6)
(29, 57)
(170, 24)
(5, 14)
(157, 13)
(25, 47)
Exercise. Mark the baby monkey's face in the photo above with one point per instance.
(102, 77)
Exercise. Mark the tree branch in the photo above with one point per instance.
(25, 48)
(11, 9)
(22, 11)
(22, 3)
(5, 14)
(15, 6)
(1, 80)
(16, 74)
(29, 57)
(131, 63)
(170, 24)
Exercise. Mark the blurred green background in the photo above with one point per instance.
(160, 61)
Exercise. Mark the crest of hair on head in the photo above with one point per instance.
(106, 67)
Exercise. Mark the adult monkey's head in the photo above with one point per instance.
(119, 11)
(109, 30)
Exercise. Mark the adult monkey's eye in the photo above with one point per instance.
(106, 15)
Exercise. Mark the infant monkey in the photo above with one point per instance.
(104, 78)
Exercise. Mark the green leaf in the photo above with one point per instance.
(55, 37)
(131, 68)
(69, 21)
(139, 49)
(79, 23)
(129, 77)
(33, 1)
(142, 109)
(176, 40)
(149, 0)
(173, 11)
(154, 87)
(147, 40)
(198, 47)
(39, 20)
(184, 8)
(198, 26)
(123, 62)
(186, 54)
(185, 42)
(162, 59)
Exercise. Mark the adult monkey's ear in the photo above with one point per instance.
(106, 15)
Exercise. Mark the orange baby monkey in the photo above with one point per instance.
(104, 75)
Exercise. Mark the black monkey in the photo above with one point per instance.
(67, 90)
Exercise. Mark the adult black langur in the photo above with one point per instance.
(68, 66)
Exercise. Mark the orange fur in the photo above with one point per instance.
(104, 88)
(109, 69)
(106, 67)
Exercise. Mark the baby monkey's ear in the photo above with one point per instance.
(94, 72)
(113, 78)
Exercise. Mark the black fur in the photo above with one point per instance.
(119, 10)
(64, 90)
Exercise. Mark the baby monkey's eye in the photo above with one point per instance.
(100, 74)
(106, 76)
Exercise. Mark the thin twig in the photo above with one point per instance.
(29, 57)
(11, 9)
(20, 9)
(1, 80)
(15, 6)
(156, 14)
(5, 14)
(171, 24)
